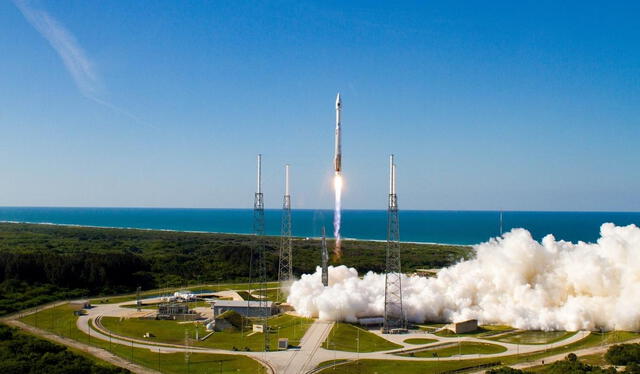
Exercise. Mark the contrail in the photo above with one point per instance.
(66, 45)
(74, 58)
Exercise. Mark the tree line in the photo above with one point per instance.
(41, 262)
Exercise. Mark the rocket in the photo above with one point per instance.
(337, 160)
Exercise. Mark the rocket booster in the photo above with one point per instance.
(337, 160)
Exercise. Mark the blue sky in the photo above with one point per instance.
(487, 105)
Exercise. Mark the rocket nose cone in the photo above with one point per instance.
(338, 100)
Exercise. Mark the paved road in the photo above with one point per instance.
(97, 352)
(560, 357)
(304, 359)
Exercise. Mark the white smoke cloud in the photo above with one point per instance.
(513, 280)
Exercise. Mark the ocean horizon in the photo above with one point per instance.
(422, 226)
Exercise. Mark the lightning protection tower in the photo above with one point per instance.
(285, 267)
(258, 229)
(393, 313)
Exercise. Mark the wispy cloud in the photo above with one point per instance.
(65, 44)
(73, 56)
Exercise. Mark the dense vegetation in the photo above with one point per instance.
(40, 263)
(627, 355)
(623, 354)
(22, 354)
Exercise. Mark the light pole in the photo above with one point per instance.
(358, 349)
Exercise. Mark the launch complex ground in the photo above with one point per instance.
(111, 330)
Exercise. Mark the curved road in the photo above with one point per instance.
(301, 360)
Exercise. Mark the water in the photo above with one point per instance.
(453, 227)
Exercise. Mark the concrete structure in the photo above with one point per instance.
(245, 308)
(220, 324)
(464, 327)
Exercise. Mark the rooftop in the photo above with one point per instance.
(240, 304)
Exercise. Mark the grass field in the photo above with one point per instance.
(534, 337)
(173, 332)
(409, 367)
(594, 359)
(462, 348)
(420, 341)
(344, 337)
(61, 321)
(402, 367)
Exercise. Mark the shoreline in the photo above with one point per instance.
(222, 233)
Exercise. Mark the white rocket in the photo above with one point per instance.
(337, 160)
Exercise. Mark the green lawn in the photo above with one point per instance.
(402, 367)
(173, 332)
(419, 341)
(594, 339)
(64, 323)
(595, 359)
(343, 337)
(462, 348)
(534, 337)
(273, 295)
(416, 367)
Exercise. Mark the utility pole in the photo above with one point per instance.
(285, 267)
(393, 313)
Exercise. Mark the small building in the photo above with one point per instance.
(258, 328)
(184, 295)
(175, 311)
(283, 344)
(244, 308)
(371, 321)
(464, 326)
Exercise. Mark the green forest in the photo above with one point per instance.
(43, 263)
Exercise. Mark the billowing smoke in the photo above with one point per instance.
(513, 280)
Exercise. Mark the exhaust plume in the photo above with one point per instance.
(513, 280)
(337, 185)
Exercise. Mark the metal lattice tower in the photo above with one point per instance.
(261, 273)
(393, 313)
(325, 260)
(285, 267)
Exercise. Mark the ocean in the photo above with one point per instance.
(447, 227)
